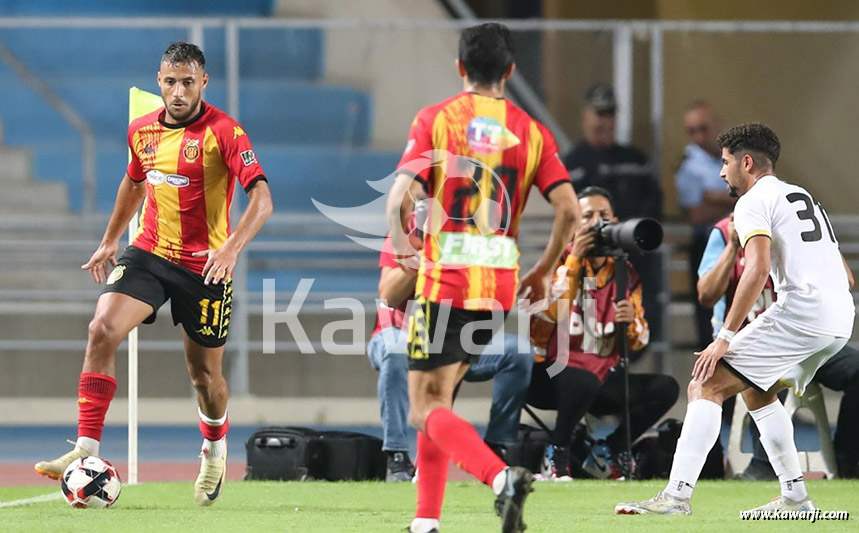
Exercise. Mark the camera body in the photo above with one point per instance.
(614, 239)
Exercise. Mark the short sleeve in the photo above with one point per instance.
(238, 155)
(715, 246)
(752, 217)
(387, 258)
(690, 187)
(551, 172)
(135, 169)
(413, 162)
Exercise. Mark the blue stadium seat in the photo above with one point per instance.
(332, 176)
(125, 8)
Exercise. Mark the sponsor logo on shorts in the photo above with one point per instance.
(177, 181)
(192, 150)
(116, 275)
(248, 157)
(206, 331)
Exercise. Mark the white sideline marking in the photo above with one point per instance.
(36, 499)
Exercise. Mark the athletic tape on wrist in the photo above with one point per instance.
(726, 335)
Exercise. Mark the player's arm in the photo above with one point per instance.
(713, 284)
(221, 262)
(397, 285)
(535, 283)
(398, 209)
(128, 199)
(755, 274)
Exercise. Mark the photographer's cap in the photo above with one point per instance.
(601, 99)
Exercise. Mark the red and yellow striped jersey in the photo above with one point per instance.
(477, 157)
(190, 171)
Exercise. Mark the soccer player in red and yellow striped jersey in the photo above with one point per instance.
(185, 159)
(475, 156)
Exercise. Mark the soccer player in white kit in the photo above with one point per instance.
(786, 234)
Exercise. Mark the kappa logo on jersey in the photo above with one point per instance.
(486, 135)
(192, 150)
(248, 157)
(116, 274)
(237, 132)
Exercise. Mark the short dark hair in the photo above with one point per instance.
(752, 137)
(593, 190)
(486, 52)
(183, 52)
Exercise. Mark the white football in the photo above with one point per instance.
(91, 482)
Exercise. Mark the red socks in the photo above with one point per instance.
(95, 392)
(214, 431)
(432, 465)
(461, 442)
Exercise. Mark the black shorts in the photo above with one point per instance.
(424, 354)
(203, 310)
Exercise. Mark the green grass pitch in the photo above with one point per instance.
(376, 507)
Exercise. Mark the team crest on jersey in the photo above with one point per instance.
(486, 135)
(116, 274)
(192, 150)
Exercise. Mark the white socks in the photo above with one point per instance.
(215, 449)
(88, 444)
(776, 431)
(499, 481)
(700, 431)
(423, 525)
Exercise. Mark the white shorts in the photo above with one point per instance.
(770, 350)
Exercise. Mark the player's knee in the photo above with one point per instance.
(694, 391)
(202, 379)
(102, 332)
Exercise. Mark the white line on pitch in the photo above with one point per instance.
(37, 499)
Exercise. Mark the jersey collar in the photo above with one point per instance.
(180, 125)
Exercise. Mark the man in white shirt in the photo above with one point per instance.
(702, 195)
(780, 227)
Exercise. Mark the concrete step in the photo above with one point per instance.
(42, 196)
(16, 165)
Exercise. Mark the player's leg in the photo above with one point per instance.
(701, 427)
(426, 393)
(204, 312)
(116, 314)
(776, 427)
(393, 391)
(205, 369)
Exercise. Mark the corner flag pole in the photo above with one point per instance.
(139, 104)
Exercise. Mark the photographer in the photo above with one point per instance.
(589, 382)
